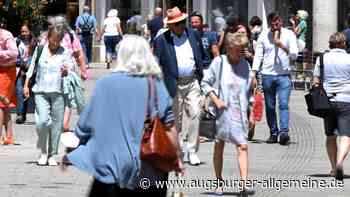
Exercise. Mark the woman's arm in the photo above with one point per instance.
(221, 39)
(8, 56)
(30, 73)
(119, 29)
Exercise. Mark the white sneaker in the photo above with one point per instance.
(193, 159)
(42, 161)
(52, 162)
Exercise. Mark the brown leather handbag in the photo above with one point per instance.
(156, 147)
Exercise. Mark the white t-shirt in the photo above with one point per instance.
(110, 25)
(336, 74)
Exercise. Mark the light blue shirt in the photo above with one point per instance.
(89, 18)
(336, 74)
(184, 55)
(274, 60)
(49, 76)
(111, 126)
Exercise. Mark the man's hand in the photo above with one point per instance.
(279, 44)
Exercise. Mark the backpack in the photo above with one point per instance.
(87, 26)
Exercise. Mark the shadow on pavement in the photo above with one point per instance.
(224, 194)
(346, 176)
(29, 123)
(257, 141)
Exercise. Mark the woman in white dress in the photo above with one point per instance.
(233, 102)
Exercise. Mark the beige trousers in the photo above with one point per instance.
(187, 113)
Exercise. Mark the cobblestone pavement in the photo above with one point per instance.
(303, 163)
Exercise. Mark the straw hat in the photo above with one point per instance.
(174, 15)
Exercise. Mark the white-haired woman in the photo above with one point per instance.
(300, 28)
(232, 99)
(71, 43)
(112, 33)
(110, 127)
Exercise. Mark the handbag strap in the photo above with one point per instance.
(152, 93)
(38, 54)
(321, 69)
(220, 76)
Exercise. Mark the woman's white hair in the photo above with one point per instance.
(112, 13)
(136, 58)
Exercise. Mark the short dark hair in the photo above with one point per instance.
(196, 13)
(232, 23)
(273, 16)
(255, 20)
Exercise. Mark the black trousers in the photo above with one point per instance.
(99, 189)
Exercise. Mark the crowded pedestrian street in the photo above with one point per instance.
(304, 159)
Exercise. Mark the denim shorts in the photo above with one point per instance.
(339, 120)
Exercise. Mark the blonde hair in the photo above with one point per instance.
(236, 39)
(302, 14)
(136, 58)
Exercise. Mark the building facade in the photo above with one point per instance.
(325, 17)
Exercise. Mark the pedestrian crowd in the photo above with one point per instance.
(174, 68)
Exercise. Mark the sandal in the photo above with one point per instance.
(8, 141)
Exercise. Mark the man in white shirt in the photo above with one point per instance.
(180, 54)
(273, 52)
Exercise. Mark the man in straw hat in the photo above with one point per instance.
(180, 54)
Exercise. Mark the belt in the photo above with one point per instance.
(185, 80)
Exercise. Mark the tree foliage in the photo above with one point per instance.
(29, 11)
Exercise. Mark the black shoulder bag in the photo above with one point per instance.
(317, 100)
(35, 70)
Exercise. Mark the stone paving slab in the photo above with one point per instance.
(304, 159)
